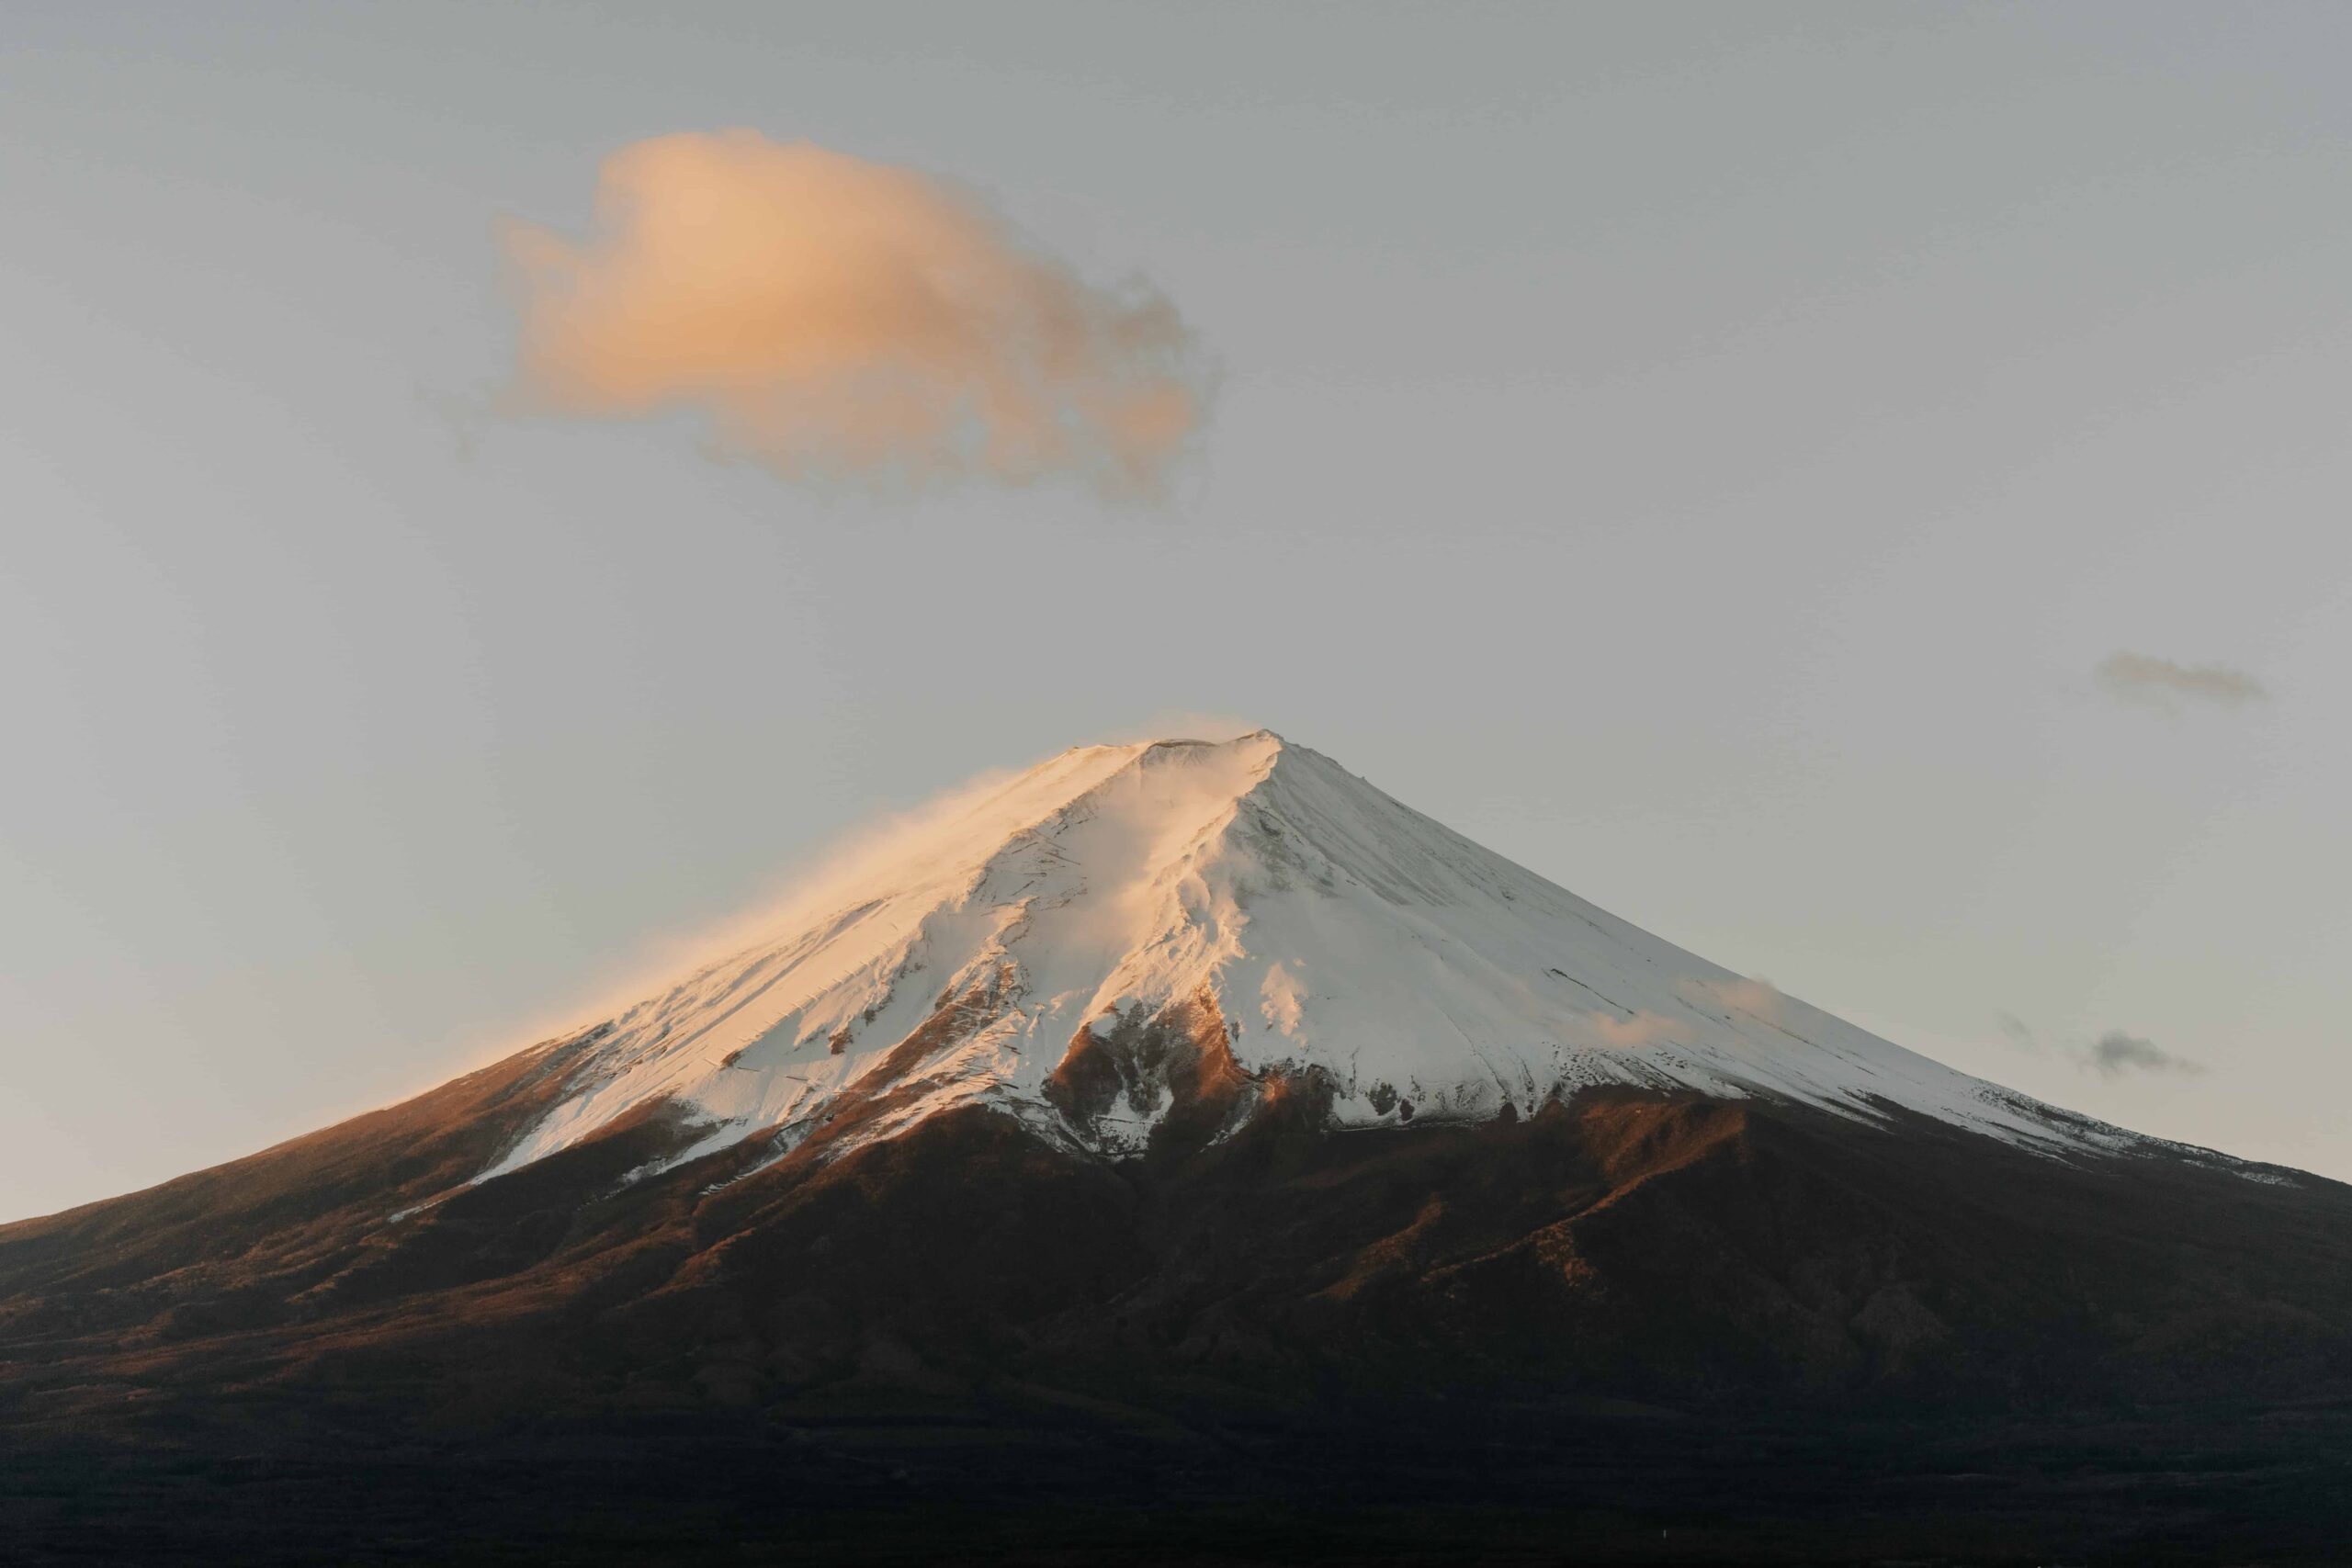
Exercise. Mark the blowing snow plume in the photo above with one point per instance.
(837, 318)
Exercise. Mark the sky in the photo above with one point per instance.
(1859, 490)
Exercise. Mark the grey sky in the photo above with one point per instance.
(1703, 453)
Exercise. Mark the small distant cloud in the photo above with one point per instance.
(2112, 1055)
(2116, 1053)
(836, 319)
(2163, 684)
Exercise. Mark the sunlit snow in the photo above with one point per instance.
(1337, 929)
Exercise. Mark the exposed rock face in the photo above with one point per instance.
(1171, 1073)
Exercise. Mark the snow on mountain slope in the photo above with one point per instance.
(1124, 911)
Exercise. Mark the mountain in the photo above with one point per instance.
(1117, 934)
(1188, 1147)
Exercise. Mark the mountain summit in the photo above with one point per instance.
(1183, 1152)
(1126, 933)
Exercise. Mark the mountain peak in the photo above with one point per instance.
(1085, 945)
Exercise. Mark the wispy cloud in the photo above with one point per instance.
(2115, 1052)
(837, 318)
(2163, 684)
(2112, 1054)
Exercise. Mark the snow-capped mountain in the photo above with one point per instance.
(1173, 1110)
(1067, 947)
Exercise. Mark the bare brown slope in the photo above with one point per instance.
(1670, 1246)
(981, 1310)
(250, 1241)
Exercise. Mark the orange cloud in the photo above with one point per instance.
(839, 319)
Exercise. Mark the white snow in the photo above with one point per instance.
(1338, 928)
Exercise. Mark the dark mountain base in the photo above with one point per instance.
(1770, 1335)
